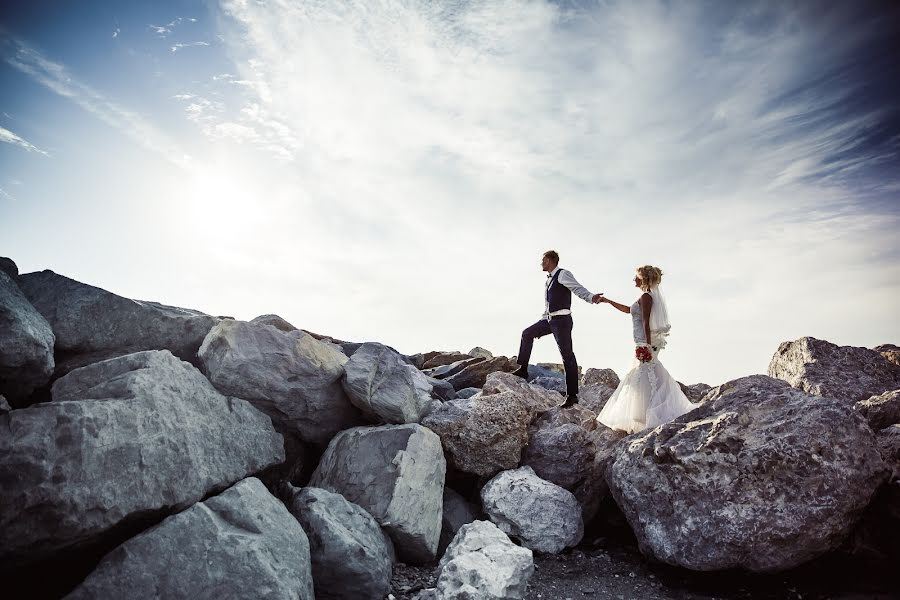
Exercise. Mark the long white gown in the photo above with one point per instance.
(647, 396)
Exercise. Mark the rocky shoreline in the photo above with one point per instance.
(155, 451)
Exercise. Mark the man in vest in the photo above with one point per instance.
(557, 320)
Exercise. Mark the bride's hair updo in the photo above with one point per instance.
(650, 276)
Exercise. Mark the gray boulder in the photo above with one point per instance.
(888, 440)
(442, 390)
(91, 324)
(8, 266)
(466, 393)
(821, 368)
(761, 476)
(133, 436)
(475, 374)
(275, 321)
(351, 556)
(880, 411)
(396, 473)
(4, 405)
(385, 387)
(541, 515)
(605, 377)
(569, 448)
(242, 543)
(440, 359)
(695, 391)
(26, 343)
(483, 563)
(485, 434)
(554, 384)
(479, 351)
(593, 397)
(290, 376)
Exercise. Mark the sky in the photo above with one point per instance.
(393, 171)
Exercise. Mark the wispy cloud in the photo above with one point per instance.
(9, 137)
(177, 47)
(164, 30)
(58, 79)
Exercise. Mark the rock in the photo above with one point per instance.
(593, 397)
(242, 543)
(761, 477)
(442, 390)
(8, 266)
(351, 556)
(485, 434)
(554, 384)
(129, 437)
(889, 351)
(384, 387)
(888, 440)
(445, 371)
(605, 377)
(880, 411)
(4, 405)
(466, 392)
(695, 392)
(75, 309)
(474, 375)
(275, 321)
(821, 368)
(290, 376)
(396, 472)
(483, 563)
(479, 351)
(456, 513)
(569, 448)
(440, 359)
(541, 515)
(26, 344)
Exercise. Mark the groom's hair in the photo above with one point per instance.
(552, 255)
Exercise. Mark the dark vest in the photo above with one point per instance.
(558, 295)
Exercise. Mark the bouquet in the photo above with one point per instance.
(643, 354)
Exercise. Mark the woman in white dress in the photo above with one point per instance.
(647, 396)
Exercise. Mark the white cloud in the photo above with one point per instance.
(8, 137)
(164, 30)
(177, 47)
(58, 79)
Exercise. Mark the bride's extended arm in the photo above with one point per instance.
(622, 307)
(646, 306)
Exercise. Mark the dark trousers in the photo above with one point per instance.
(561, 328)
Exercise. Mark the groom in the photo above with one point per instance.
(557, 320)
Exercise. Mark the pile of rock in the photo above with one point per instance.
(202, 453)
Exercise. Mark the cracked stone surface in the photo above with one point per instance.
(242, 543)
(761, 476)
(137, 434)
(396, 473)
(26, 343)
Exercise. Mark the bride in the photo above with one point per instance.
(647, 396)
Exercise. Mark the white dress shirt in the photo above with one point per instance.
(567, 279)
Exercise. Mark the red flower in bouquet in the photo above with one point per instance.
(643, 354)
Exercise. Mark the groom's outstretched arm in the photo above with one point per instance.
(567, 279)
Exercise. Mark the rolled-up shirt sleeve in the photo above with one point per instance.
(567, 279)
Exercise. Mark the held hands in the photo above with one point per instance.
(598, 298)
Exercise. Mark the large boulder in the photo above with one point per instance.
(890, 352)
(8, 266)
(882, 410)
(695, 391)
(541, 515)
(888, 440)
(396, 473)
(138, 435)
(385, 387)
(351, 556)
(821, 368)
(290, 376)
(92, 324)
(475, 374)
(485, 434)
(242, 543)
(481, 562)
(457, 511)
(275, 321)
(761, 476)
(26, 344)
(570, 448)
(605, 377)
(440, 359)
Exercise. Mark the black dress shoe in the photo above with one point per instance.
(570, 401)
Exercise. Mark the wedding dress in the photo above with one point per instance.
(647, 396)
